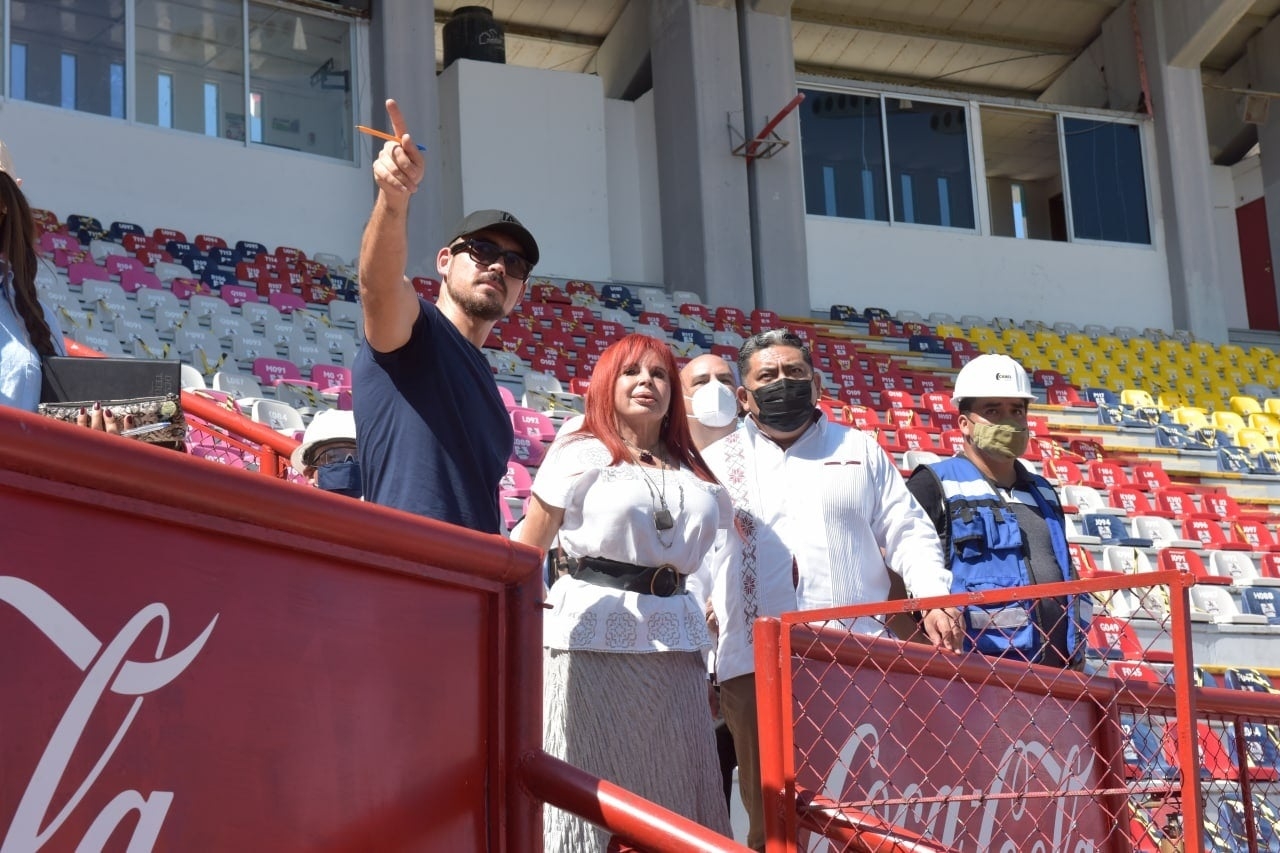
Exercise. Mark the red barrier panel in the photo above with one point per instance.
(198, 658)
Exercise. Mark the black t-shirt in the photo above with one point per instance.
(433, 434)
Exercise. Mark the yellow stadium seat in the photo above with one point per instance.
(1231, 353)
(1227, 421)
(1015, 336)
(1192, 416)
(983, 336)
(1265, 421)
(1045, 339)
(1252, 440)
(1109, 344)
(1140, 348)
(1244, 405)
(1077, 341)
(1201, 351)
(1171, 399)
(1138, 398)
(948, 330)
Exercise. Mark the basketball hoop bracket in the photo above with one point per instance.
(766, 143)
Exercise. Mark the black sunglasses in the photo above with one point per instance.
(486, 254)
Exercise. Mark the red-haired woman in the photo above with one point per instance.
(636, 510)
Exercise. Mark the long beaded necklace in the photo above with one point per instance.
(663, 519)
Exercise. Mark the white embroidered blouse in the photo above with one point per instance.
(609, 512)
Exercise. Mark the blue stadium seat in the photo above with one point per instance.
(844, 313)
(614, 293)
(692, 336)
(1111, 530)
(1261, 601)
(247, 250)
(1179, 437)
(1144, 750)
(180, 249)
(1231, 822)
(222, 256)
(1234, 460)
(1260, 748)
(870, 314)
(926, 343)
(1244, 678)
(118, 229)
(1266, 462)
(216, 277)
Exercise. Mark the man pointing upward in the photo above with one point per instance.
(434, 434)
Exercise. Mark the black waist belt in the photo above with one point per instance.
(664, 580)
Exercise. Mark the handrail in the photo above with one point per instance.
(638, 821)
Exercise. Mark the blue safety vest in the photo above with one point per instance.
(988, 553)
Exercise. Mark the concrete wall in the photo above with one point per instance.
(74, 162)
(533, 142)
(635, 225)
(872, 264)
(1230, 274)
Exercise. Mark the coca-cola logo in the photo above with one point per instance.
(969, 818)
(105, 667)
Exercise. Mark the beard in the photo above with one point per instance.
(476, 304)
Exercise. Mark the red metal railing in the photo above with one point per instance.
(876, 745)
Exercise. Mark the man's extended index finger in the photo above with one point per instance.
(397, 118)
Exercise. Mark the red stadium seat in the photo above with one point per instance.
(1208, 531)
(1152, 475)
(762, 320)
(1255, 533)
(1179, 502)
(1187, 561)
(1103, 475)
(653, 318)
(1134, 502)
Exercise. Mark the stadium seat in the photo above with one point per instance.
(1261, 601)
(269, 371)
(1113, 638)
(1088, 499)
(1134, 502)
(281, 417)
(1246, 678)
(1110, 530)
(1208, 531)
(1221, 606)
(1255, 533)
(1232, 823)
(1215, 760)
(1260, 750)
(1161, 531)
(1238, 568)
(1188, 560)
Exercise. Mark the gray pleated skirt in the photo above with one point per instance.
(640, 721)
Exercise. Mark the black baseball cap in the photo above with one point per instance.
(503, 223)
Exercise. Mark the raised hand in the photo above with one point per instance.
(400, 167)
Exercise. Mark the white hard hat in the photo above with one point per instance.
(992, 375)
(328, 425)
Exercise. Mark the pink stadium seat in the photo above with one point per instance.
(77, 273)
(118, 264)
(517, 482)
(328, 376)
(132, 280)
(269, 371)
(182, 287)
(52, 241)
(286, 303)
(236, 295)
(532, 424)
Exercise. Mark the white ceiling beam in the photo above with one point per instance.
(886, 26)
(1194, 27)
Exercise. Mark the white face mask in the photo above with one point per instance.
(714, 405)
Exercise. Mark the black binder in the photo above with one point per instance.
(72, 380)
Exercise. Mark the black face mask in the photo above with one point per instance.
(785, 405)
(340, 477)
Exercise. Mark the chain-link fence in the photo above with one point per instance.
(871, 743)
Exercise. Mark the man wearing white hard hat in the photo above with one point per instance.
(1001, 525)
(327, 454)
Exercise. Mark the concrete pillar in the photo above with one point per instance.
(1264, 60)
(697, 84)
(402, 65)
(775, 184)
(1183, 171)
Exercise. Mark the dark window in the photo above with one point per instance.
(843, 155)
(1106, 181)
(929, 156)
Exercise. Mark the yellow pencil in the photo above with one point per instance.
(381, 135)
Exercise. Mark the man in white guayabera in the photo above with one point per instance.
(820, 509)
